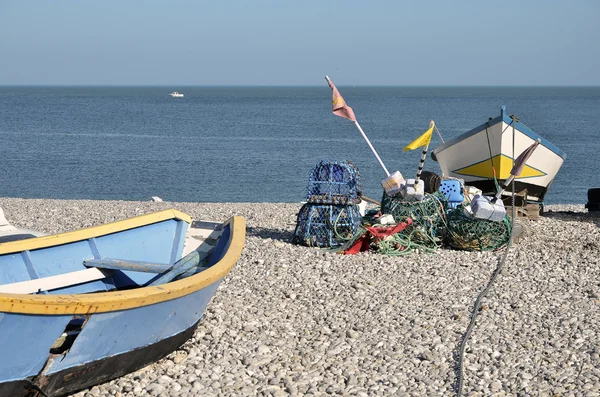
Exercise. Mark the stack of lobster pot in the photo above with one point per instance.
(330, 216)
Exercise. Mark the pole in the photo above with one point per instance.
(423, 155)
(519, 163)
(387, 173)
(504, 186)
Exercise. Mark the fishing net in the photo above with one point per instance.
(428, 216)
(414, 238)
(472, 234)
(334, 182)
(326, 225)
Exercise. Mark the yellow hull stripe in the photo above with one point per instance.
(133, 298)
(95, 231)
(503, 164)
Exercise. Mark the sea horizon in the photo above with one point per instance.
(303, 85)
(259, 143)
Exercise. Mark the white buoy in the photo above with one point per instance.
(483, 208)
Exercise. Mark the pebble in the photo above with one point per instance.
(295, 320)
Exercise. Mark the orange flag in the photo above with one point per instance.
(339, 106)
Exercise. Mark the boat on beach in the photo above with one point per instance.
(176, 94)
(84, 307)
(483, 157)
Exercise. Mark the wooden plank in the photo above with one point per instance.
(202, 239)
(529, 211)
(203, 234)
(55, 282)
(120, 264)
(185, 265)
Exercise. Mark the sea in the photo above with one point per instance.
(259, 144)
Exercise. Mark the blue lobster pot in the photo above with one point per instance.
(334, 182)
(326, 225)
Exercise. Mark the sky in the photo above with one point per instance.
(296, 43)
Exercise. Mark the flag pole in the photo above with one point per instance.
(423, 155)
(387, 173)
(519, 162)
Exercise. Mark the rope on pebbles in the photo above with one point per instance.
(477, 306)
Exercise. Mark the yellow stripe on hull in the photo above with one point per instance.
(128, 299)
(502, 164)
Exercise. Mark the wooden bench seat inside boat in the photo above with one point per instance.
(107, 274)
(98, 269)
(56, 282)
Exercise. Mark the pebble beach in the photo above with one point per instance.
(293, 320)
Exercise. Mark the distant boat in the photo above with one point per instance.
(84, 307)
(176, 94)
(486, 153)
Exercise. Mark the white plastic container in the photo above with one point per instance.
(483, 209)
(412, 192)
(393, 184)
(362, 208)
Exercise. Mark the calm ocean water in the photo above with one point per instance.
(257, 144)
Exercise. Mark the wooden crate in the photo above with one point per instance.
(526, 211)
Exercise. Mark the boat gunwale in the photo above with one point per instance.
(502, 117)
(40, 242)
(102, 302)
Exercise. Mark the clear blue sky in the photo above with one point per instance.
(286, 42)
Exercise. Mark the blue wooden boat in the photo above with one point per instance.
(84, 307)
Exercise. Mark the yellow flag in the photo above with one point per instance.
(423, 140)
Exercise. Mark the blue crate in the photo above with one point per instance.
(453, 191)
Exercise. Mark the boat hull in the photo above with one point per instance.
(96, 372)
(489, 150)
(58, 343)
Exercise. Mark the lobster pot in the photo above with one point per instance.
(333, 182)
(326, 225)
(427, 215)
(473, 234)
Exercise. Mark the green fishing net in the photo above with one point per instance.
(428, 216)
(471, 234)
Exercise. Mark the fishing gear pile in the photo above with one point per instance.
(427, 215)
(473, 234)
(330, 216)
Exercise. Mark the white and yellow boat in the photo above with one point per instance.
(484, 156)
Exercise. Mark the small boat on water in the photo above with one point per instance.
(483, 157)
(176, 94)
(84, 307)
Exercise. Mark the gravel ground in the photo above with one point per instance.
(292, 320)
